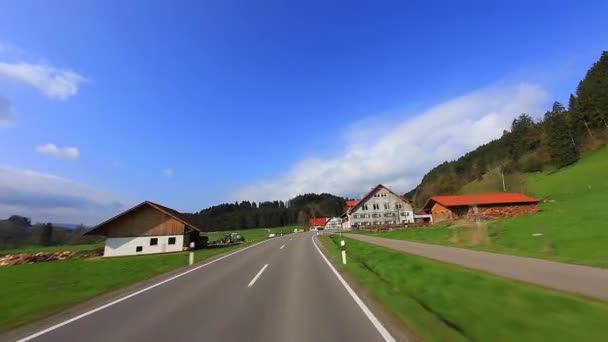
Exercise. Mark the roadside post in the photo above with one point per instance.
(191, 253)
(343, 248)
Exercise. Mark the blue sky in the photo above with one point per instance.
(107, 103)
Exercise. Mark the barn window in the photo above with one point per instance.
(172, 241)
(153, 241)
(138, 249)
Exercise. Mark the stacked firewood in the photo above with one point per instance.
(18, 259)
(502, 211)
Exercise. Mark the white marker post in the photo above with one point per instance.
(343, 247)
(191, 253)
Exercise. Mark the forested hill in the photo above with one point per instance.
(245, 214)
(556, 140)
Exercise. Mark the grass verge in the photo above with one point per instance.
(442, 302)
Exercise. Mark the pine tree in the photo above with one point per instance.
(46, 236)
(559, 137)
(592, 96)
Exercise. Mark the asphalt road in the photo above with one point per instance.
(587, 281)
(296, 297)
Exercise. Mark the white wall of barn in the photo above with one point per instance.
(122, 246)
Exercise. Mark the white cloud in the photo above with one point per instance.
(168, 172)
(7, 115)
(53, 82)
(408, 149)
(57, 152)
(49, 198)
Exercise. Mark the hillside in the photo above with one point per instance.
(555, 141)
(571, 226)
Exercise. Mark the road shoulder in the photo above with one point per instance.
(397, 328)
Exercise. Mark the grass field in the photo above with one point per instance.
(573, 224)
(441, 302)
(35, 249)
(32, 291)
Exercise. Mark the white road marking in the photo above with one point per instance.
(282, 247)
(257, 276)
(381, 329)
(73, 319)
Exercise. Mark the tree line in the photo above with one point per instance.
(556, 140)
(19, 231)
(246, 214)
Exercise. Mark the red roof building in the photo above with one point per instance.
(317, 222)
(350, 204)
(485, 206)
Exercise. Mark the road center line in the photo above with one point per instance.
(381, 329)
(282, 247)
(257, 276)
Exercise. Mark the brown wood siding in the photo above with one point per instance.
(145, 221)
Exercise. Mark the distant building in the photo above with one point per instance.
(317, 222)
(380, 206)
(146, 228)
(349, 205)
(480, 206)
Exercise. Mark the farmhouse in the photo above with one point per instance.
(481, 206)
(146, 228)
(380, 206)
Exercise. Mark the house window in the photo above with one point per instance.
(172, 241)
(398, 205)
(376, 206)
(139, 249)
(389, 215)
(364, 207)
(387, 206)
(403, 213)
(153, 241)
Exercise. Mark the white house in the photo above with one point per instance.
(147, 228)
(380, 206)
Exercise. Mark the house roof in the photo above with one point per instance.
(350, 204)
(166, 210)
(370, 193)
(480, 199)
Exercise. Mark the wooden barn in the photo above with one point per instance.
(482, 206)
(147, 228)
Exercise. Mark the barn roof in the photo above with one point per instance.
(166, 210)
(480, 199)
